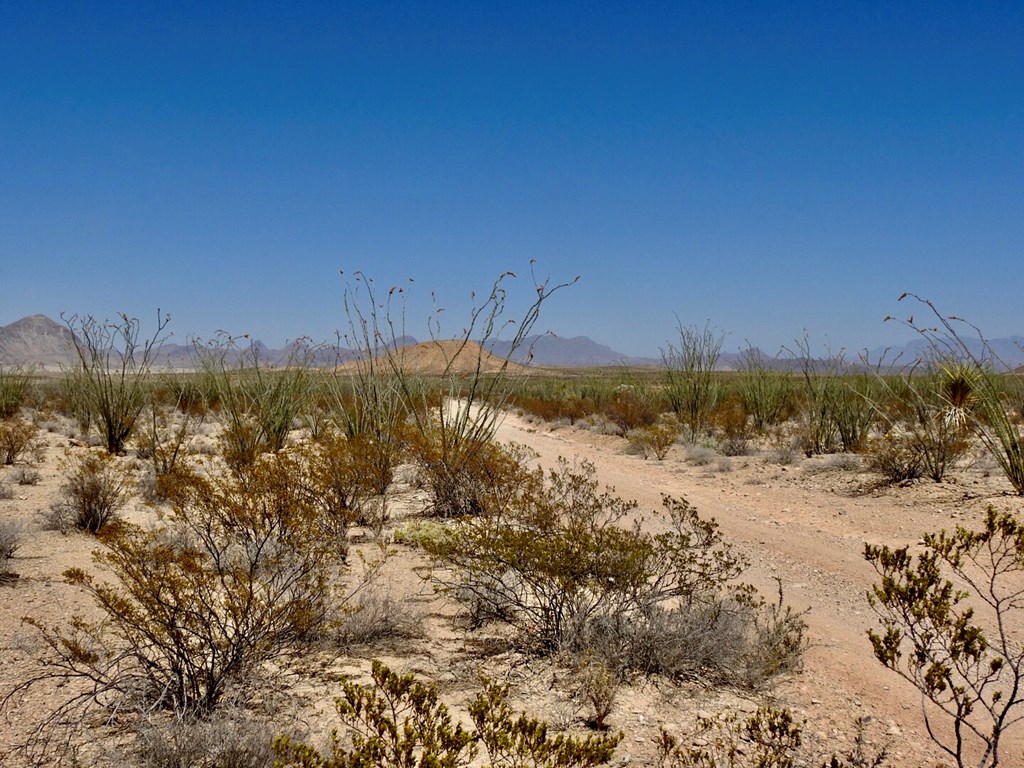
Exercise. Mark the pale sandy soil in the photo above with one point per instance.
(804, 524)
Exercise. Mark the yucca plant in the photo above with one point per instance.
(981, 389)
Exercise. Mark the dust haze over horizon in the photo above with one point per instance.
(769, 170)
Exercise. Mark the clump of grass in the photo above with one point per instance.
(700, 455)
(26, 476)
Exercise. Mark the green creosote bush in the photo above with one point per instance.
(351, 476)
(770, 738)
(557, 561)
(108, 386)
(464, 476)
(239, 574)
(96, 487)
(400, 723)
(956, 644)
(734, 425)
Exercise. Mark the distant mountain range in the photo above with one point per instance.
(39, 340)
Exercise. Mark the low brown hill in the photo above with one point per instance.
(434, 358)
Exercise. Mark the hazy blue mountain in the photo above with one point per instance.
(561, 351)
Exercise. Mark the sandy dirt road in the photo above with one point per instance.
(807, 529)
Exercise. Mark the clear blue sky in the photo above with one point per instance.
(770, 167)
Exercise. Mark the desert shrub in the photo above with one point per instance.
(734, 425)
(521, 741)
(654, 440)
(17, 437)
(229, 739)
(453, 421)
(186, 393)
(967, 666)
(984, 391)
(770, 738)
(10, 541)
(820, 389)
(562, 405)
(464, 477)
(346, 474)
(73, 399)
(556, 561)
(413, 533)
(399, 723)
(257, 402)
(631, 407)
(239, 573)
(783, 454)
(109, 382)
(95, 488)
(767, 396)
(853, 409)
(26, 476)
(15, 384)
(6, 491)
(700, 455)
(599, 683)
(373, 615)
(927, 415)
(691, 388)
(894, 457)
(165, 437)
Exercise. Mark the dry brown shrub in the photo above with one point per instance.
(96, 486)
(17, 437)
